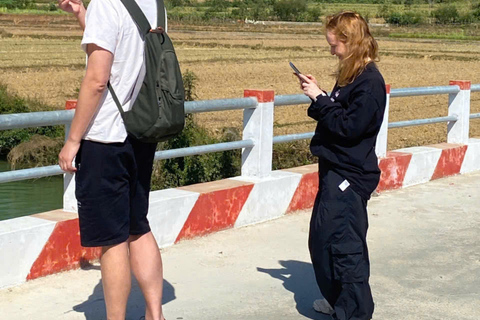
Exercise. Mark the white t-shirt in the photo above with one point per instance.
(109, 26)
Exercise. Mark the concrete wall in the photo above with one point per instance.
(46, 243)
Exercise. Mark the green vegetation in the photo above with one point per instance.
(12, 103)
(33, 147)
(397, 12)
(38, 151)
(171, 173)
(29, 6)
(178, 172)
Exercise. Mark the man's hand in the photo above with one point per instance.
(65, 158)
(310, 87)
(71, 6)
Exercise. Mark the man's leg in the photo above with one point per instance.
(116, 279)
(146, 264)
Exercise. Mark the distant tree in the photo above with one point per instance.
(446, 14)
(287, 10)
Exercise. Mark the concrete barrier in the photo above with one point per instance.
(47, 243)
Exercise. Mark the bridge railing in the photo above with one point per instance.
(257, 141)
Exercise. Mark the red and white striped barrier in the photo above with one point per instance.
(47, 243)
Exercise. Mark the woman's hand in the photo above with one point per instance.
(312, 78)
(310, 87)
(71, 6)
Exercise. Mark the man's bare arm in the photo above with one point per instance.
(91, 91)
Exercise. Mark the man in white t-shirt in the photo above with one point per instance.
(113, 170)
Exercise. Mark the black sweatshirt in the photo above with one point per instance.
(346, 133)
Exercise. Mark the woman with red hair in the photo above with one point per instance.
(344, 142)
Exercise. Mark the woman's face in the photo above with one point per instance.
(337, 48)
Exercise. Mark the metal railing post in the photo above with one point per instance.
(459, 106)
(382, 138)
(258, 126)
(69, 199)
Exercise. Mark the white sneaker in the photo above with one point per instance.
(322, 306)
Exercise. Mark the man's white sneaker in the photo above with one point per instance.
(322, 306)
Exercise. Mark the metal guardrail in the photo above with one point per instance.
(62, 117)
(293, 137)
(34, 119)
(193, 151)
(423, 91)
(410, 123)
(219, 105)
(32, 173)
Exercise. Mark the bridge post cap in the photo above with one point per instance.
(70, 104)
(388, 87)
(261, 95)
(463, 84)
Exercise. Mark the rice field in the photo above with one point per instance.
(41, 58)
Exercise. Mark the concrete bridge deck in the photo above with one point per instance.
(424, 247)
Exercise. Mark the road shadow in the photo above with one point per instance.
(298, 278)
(94, 307)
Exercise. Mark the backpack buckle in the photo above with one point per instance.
(157, 30)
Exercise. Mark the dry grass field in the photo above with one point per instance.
(40, 57)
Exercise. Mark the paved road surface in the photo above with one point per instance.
(424, 246)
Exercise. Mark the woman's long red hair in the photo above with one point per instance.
(351, 29)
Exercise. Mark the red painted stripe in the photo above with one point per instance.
(62, 251)
(70, 104)
(450, 162)
(304, 196)
(261, 95)
(394, 167)
(463, 84)
(388, 88)
(215, 211)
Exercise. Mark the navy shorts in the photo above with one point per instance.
(112, 186)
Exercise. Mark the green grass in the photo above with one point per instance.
(32, 11)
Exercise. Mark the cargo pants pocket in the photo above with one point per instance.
(349, 264)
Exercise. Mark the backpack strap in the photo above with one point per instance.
(137, 15)
(115, 98)
(161, 14)
(144, 27)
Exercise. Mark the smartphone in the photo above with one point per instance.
(295, 68)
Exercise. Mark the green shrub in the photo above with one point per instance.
(190, 85)
(17, 4)
(466, 18)
(404, 19)
(176, 172)
(171, 173)
(177, 3)
(38, 151)
(476, 11)
(52, 6)
(12, 103)
(384, 11)
(292, 154)
(314, 14)
(311, 15)
(446, 14)
(218, 5)
(289, 10)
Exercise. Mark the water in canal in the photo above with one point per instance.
(22, 198)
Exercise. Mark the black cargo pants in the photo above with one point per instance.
(338, 248)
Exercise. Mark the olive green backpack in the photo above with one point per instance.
(158, 112)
